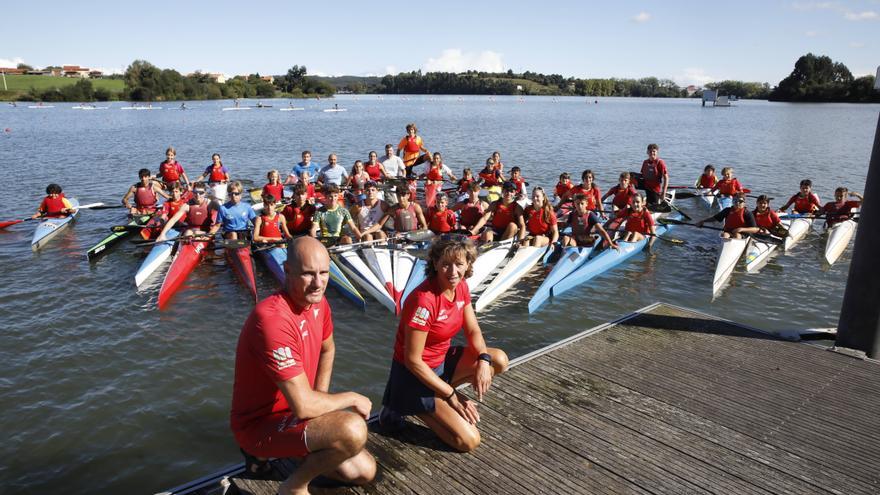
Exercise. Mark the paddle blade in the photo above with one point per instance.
(125, 228)
(3, 225)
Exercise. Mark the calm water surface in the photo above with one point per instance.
(99, 391)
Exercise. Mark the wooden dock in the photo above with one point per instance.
(665, 400)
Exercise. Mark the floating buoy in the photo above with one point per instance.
(7, 130)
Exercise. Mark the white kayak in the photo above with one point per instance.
(49, 228)
(523, 261)
(839, 236)
(335, 109)
(378, 258)
(707, 197)
(160, 253)
(798, 228)
(360, 273)
(572, 258)
(488, 261)
(731, 251)
(41, 106)
(235, 108)
(291, 109)
(758, 253)
(403, 262)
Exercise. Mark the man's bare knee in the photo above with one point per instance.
(350, 433)
(467, 440)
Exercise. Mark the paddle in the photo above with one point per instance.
(760, 237)
(101, 206)
(90, 206)
(675, 208)
(149, 242)
(671, 240)
(265, 246)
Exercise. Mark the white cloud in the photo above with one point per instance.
(811, 34)
(11, 62)
(693, 75)
(856, 44)
(868, 15)
(109, 70)
(642, 17)
(454, 60)
(390, 69)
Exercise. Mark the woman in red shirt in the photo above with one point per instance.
(426, 368)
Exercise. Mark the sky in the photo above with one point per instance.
(689, 42)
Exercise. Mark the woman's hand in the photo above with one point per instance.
(465, 408)
(482, 379)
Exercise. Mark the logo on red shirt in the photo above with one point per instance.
(420, 317)
(283, 357)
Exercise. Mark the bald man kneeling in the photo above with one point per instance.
(281, 405)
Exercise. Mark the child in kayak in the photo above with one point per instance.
(707, 179)
(216, 172)
(506, 217)
(356, 181)
(170, 171)
(146, 194)
(464, 184)
(655, 176)
(299, 213)
(520, 183)
(563, 188)
(540, 219)
(235, 217)
(591, 191)
(332, 218)
(471, 209)
(583, 223)
(728, 186)
(270, 226)
(767, 220)
(840, 210)
(54, 205)
(274, 187)
(497, 165)
(738, 220)
(622, 193)
(441, 220)
(199, 212)
(639, 222)
(805, 201)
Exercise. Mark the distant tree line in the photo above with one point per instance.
(146, 82)
(83, 90)
(820, 79)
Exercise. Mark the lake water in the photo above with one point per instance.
(101, 392)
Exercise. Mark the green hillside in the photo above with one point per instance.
(18, 86)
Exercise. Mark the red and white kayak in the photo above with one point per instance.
(239, 259)
(189, 255)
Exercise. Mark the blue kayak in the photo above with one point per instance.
(572, 259)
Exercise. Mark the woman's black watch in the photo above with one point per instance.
(485, 357)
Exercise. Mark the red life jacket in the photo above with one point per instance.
(299, 219)
(464, 185)
(271, 227)
(53, 206)
(766, 220)
(405, 219)
(503, 215)
(735, 219)
(442, 221)
(373, 171)
(276, 190)
(728, 187)
(707, 181)
(805, 204)
(594, 197)
(622, 196)
(640, 222)
(198, 216)
(144, 196)
(536, 224)
(435, 173)
(170, 207)
(651, 174)
(490, 178)
(217, 174)
(519, 184)
(470, 214)
(412, 144)
(839, 212)
(170, 172)
(563, 189)
(581, 224)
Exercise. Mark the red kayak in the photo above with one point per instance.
(188, 256)
(240, 261)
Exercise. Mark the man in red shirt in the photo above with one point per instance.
(656, 176)
(281, 405)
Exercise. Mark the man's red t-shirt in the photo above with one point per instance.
(653, 174)
(428, 310)
(278, 342)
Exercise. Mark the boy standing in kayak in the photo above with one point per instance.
(805, 201)
(655, 176)
(146, 195)
(281, 401)
(54, 205)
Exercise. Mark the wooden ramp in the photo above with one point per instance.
(665, 400)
